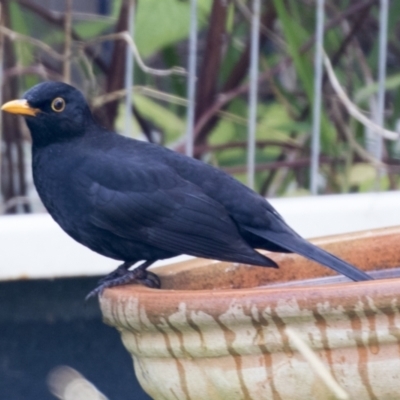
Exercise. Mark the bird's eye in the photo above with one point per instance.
(58, 104)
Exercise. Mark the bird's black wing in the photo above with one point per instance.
(154, 206)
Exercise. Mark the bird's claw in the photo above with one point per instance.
(151, 280)
(116, 278)
(120, 271)
(98, 291)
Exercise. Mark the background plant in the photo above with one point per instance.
(38, 43)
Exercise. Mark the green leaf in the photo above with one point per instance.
(115, 8)
(276, 123)
(361, 173)
(363, 177)
(54, 37)
(24, 50)
(295, 36)
(161, 23)
(224, 132)
(92, 28)
(17, 19)
(392, 82)
(173, 126)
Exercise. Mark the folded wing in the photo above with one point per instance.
(168, 213)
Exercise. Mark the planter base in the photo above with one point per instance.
(213, 333)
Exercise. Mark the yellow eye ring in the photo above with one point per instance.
(58, 104)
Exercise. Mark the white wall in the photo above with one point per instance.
(33, 246)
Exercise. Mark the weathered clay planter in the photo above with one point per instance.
(213, 334)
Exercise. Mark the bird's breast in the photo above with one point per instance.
(53, 177)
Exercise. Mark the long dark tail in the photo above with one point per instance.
(297, 244)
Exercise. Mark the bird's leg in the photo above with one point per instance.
(122, 276)
(118, 272)
(145, 277)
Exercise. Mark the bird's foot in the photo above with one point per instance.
(117, 273)
(122, 276)
(150, 280)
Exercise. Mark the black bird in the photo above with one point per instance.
(136, 201)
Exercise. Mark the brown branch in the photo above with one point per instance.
(238, 73)
(206, 86)
(116, 72)
(243, 144)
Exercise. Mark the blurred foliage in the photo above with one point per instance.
(285, 89)
(160, 24)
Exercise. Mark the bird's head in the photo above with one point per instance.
(54, 111)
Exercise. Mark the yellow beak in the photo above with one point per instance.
(20, 107)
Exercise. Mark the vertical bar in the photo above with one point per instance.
(316, 129)
(380, 114)
(68, 42)
(191, 88)
(1, 89)
(129, 71)
(253, 86)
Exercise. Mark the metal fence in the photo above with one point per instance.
(377, 111)
(374, 142)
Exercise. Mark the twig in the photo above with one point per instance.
(159, 95)
(125, 36)
(38, 69)
(361, 152)
(57, 16)
(278, 180)
(317, 365)
(354, 9)
(352, 109)
(242, 145)
(19, 37)
(237, 119)
(15, 36)
(89, 69)
(58, 19)
(277, 92)
(246, 12)
(156, 94)
(13, 202)
(297, 163)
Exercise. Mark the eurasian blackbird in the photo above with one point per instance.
(135, 201)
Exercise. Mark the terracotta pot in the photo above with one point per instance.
(213, 333)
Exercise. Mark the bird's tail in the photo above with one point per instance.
(297, 244)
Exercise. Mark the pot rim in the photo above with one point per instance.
(381, 293)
